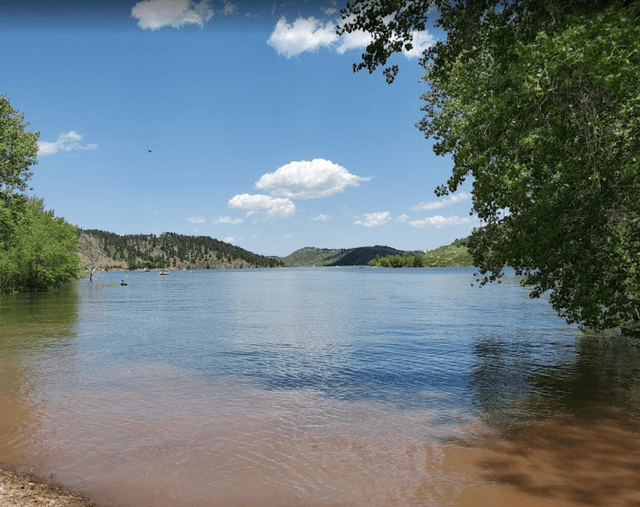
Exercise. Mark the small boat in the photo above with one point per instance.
(146, 270)
(164, 272)
(122, 282)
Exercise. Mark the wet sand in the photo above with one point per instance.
(20, 490)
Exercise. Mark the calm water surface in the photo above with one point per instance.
(309, 387)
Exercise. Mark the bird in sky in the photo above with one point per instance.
(149, 151)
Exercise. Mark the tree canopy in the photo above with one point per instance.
(538, 103)
(37, 250)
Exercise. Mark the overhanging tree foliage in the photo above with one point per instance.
(538, 102)
(37, 250)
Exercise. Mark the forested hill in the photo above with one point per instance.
(310, 256)
(169, 250)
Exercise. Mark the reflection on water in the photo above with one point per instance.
(34, 328)
(314, 387)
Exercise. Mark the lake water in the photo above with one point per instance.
(315, 387)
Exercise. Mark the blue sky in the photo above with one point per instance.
(260, 133)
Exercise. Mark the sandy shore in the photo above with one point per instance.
(18, 490)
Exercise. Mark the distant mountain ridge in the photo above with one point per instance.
(107, 250)
(169, 250)
(455, 254)
(311, 256)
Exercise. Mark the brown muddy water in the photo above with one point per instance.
(326, 387)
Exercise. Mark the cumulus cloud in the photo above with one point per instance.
(354, 40)
(322, 217)
(421, 42)
(402, 218)
(155, 14)
(374, 219)
(68, 141)
(310, 34)
(308, 179)
(447, 201)
(229, 239)
(302, 35)
(439, 221)
(227, 220)
(274, 207)
(197, 220)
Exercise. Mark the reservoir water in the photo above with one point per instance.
(315, 387)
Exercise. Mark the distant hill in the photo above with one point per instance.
(455, 254)
(362, 255)
(169, 250)
(311, 256)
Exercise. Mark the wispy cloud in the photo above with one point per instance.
(229, 8)
(332, 9)
(197, 220)
(228, 220)
(439, 221)
(274, 207)
(322, 217)
(402, 218)
(374, 219)
(447, 201)
(308, 179)
(69, 141)
(156, 14)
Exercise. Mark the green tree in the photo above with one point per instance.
(37, 250)
(18, 150)
(41, 252)
(538, 102)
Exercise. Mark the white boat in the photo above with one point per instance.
(164, 272)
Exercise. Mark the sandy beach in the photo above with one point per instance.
(19, 490)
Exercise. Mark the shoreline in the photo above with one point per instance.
(29, 490)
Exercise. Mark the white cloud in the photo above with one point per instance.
(310, 34)
(273, 206)
(308, 179)
(421, 42)
(197, 220)
(439, 221)
(374, 219)
(286, 236)
(229, 8)
(354, 40)
(402, 218)
(229, 239)
(322, 217)
(66, 142)
(332, 9)
(155, 14)
(447, 201)
(227, 220)
(301, 35)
